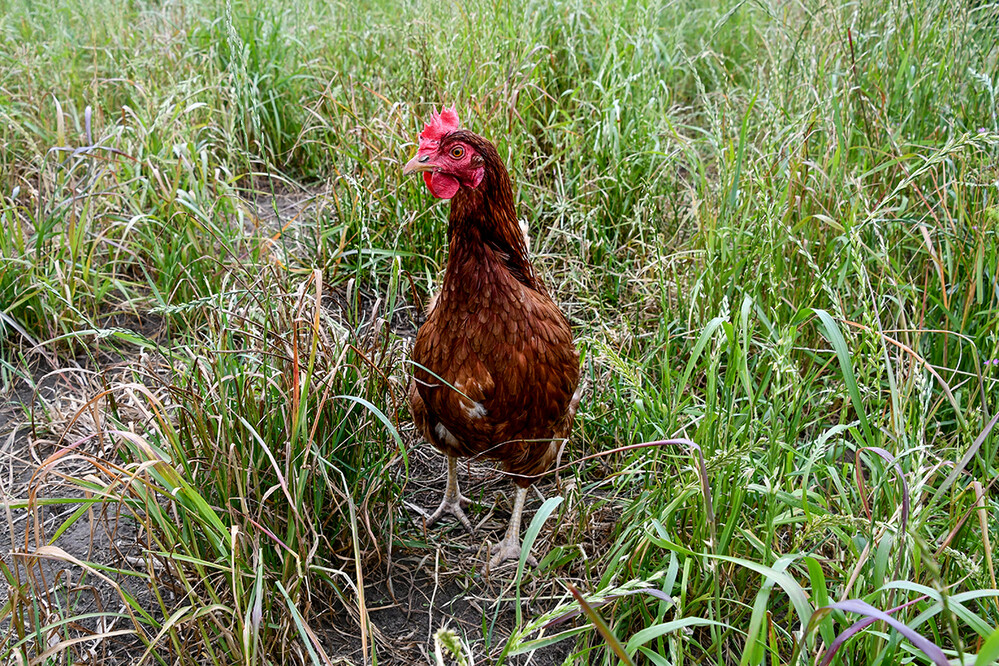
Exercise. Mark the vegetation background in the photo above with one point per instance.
(772, 223)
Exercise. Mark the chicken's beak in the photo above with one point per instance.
(418, 163)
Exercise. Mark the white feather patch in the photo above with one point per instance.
(476, 411)
(472, 409)
(445, 435)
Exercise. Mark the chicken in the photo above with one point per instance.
(496, 373)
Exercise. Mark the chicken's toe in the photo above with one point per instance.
(453, 507)
(507, 550)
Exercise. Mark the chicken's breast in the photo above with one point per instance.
(495, 373)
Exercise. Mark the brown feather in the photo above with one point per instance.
(496, 371)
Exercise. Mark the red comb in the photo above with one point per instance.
(440, 125)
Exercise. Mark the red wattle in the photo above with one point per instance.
(441, 185)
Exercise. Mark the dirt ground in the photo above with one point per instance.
(440, 584)
(41, 447)
(446, 584)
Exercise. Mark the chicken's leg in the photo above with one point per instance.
(452, 498)
(509, 547)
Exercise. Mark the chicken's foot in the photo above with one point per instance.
(509, 547)
(453, 500)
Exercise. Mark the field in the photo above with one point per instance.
(774, 226)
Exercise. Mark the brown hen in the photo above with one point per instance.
(495, 369)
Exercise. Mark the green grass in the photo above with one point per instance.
(775, 228)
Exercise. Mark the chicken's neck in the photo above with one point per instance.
(484, 232)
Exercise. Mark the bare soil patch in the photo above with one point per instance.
(48, 438)
(423, 581)
(437, 577)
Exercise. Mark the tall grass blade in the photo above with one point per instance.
(832, 332)
(605, 632)
(930, 649)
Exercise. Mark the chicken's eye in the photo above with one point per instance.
(457, 152)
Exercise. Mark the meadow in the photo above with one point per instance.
(773, 224)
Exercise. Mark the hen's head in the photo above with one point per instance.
(446, 156)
